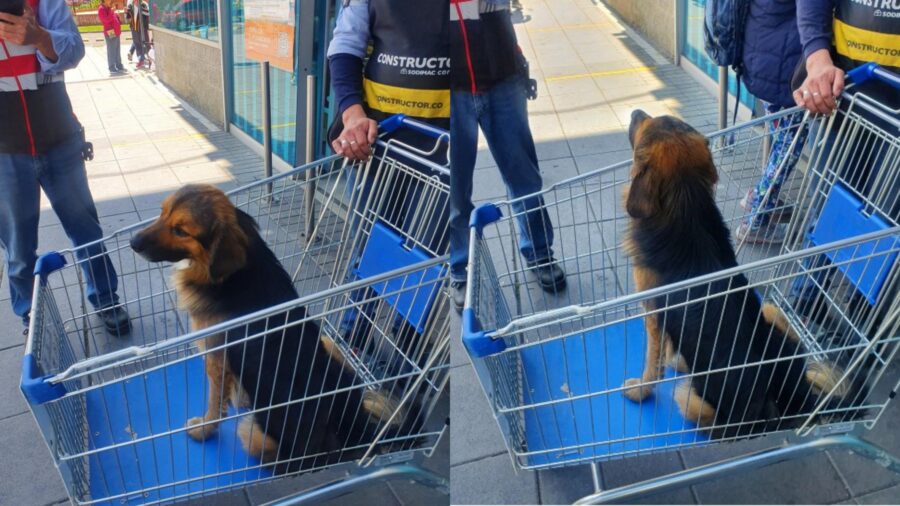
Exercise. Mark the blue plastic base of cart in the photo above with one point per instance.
(597, 361)
(384, 252)
(843, 216)
(167, 466)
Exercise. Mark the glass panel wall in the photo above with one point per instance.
(198, 18)
(247, 99)
(273, 30)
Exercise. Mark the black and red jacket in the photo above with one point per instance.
(483, 47)
(35, 111)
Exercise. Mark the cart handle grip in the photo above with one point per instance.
(867, 71)
(396, 121)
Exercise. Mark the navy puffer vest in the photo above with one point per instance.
(771, 50)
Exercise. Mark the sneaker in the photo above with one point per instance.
(773, 233)
(458, 294)
(116, 320)
(130, 56)
(550, 275)
(782, 211)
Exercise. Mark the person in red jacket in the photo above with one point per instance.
(112, 31)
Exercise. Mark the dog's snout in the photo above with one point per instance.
(637, 117)
(138, 243)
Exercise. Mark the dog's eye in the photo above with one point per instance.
(179, 232)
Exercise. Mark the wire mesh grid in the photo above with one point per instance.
(557, 363)
(118, 430)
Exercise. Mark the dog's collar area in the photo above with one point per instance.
(182, 264)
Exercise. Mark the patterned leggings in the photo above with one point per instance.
(782, 131)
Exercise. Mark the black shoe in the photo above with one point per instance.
(116, 320)
(458, 295)
(550, 275)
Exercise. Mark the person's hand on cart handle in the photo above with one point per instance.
(359, 134)
(24, 30)
(824, 82)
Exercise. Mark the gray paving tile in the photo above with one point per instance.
(492, 481)
(603, 142)
(889, 495)
(811, 479)
(372, 494)
(230, 498)
(458, 355)
(565, 485)
(618, 473)
(11, 400)
(26, 468)
(475, 433)
(863, 475)
(10, 326)
(412, 494)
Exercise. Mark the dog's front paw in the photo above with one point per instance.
(635, 391)
(198, 431)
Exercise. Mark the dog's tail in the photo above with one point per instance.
(821, 380)
(348, 423)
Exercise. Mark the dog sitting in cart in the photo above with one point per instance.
(747, 370)
(224, 271)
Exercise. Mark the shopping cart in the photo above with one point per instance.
(553, 365)
(370, 270)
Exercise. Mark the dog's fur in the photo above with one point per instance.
(677, 233)
(227, 271)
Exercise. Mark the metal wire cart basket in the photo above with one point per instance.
(365, 245)
(554, 366)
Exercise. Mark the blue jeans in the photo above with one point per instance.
(502, 115)
(61, 174)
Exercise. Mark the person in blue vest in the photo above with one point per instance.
(405, 70)
(42, 147)
(771, 52)
(488, 91)
(389, 57)
(838, 36)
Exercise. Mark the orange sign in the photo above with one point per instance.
(265, 40)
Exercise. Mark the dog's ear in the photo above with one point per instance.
(227, 252)
(643, 194)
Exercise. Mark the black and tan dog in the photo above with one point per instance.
(228, 271)
(678, 233)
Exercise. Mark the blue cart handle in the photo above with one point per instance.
(867, 71)
(397, 121)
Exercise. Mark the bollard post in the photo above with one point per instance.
(310, 190)
(265, 89)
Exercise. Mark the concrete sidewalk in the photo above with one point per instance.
(146, 144)
(592, 71)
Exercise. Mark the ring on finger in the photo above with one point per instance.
(816, 94)
(344, 142)
(352, 142)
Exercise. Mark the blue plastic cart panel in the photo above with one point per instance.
(842, 218)
(156, 403)
(597, 361)
(384, 252)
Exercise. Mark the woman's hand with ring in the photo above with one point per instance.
(358, 135)
(824, 82)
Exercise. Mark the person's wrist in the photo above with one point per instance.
(818, 59)
(353, 112)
